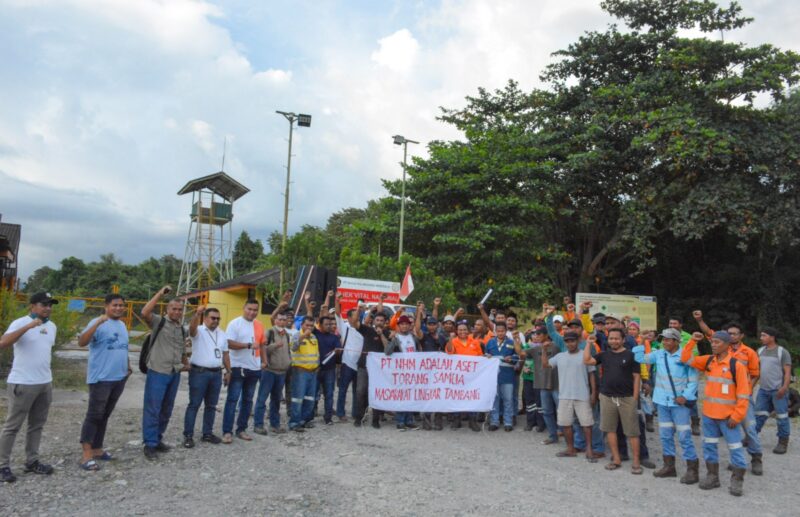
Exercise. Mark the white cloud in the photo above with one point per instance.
(397, 52)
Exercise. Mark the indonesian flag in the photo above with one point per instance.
(408, 284)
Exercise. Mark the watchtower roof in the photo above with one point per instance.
(219, 183)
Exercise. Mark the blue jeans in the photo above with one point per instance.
(504, 398)
(159, 399)
(347, 376)
(404, 418)
(713, 430)
(672, 419)
(644, 453)
(326, 381)
(768, 401)
(271, 386)
(204, 387)
(304, 386)
(549, 405)
(243, 385)
(598, 445)
(750, 428)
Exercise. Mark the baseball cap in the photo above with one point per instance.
(540, 331)
(670, 334)
(450, 318)
(599, 318)
(722, 336)
(43, 298)
(571, 336)
(559, 318)
(403, 319)
(575, 322)
(431, 320)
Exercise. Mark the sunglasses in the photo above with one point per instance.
(214, 318)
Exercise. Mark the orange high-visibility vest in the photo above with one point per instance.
(724, 397)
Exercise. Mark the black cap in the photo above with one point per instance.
(575, 321)
(571, 336)
(43, 298)
(599, 318)
(431, 320)
(541, 331)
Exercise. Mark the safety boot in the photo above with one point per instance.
(756, 466)
(668, 470)
(692, 475)
(737, 481)
(712, 476)
(695, 426)
(783, 444)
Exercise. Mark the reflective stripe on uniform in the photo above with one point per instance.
(743, 397)
(666, 424)
(309, 398)
(682, 428)
(724, 402)
(711, 440)
(762, 413)
(721, 380)
(782, 415)
(737, 445)
(297, 400)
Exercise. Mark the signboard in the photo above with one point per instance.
(641, 309)
(431, 382)
(353, 289)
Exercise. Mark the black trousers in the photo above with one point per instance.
(362, 396)
(103, 397)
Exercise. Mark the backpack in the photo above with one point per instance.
(147, 346)
(781, 351)
(733, 367)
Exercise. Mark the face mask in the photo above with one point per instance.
(34, 316)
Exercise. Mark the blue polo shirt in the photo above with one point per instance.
(108, 352)
(505, 374)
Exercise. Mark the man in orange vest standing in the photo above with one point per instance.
(727, 396)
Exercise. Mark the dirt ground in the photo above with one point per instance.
(339, 469)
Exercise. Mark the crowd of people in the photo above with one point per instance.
(597, 382)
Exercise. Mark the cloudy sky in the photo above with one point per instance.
(108, 107)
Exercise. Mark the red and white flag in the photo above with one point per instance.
(408, 284)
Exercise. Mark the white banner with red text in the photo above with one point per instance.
(431, 382)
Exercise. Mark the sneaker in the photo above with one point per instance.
(211, 438)
(6, 476)
(508, 428)
(550, 441)
(401, 427)
(493, 427)
(150, 453)
(298, 429)
(646, 463)
(357, 423)
(242, 435)
(260, 430)
(39, 468)
(342, 419)
(162, 447)
(528, 427)
(328, 422)
(278, 430)
(227, 438)
(309, 425)
(188, 442)
(412, 427)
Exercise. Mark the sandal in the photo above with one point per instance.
(613, 466)
(636, 470)
(90, 466)
(106, 456)
(566, 454)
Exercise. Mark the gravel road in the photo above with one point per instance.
(339, 469)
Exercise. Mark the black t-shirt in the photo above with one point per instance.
(433, 343)
(618, 370)
(372, 343)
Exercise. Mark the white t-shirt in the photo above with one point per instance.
(407, 343)
(243, 331)
(353, 343)
(32, 353)
(208, 347)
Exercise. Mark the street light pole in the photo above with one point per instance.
(400, 140)
(305, 121)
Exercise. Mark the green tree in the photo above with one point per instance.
(246, 253)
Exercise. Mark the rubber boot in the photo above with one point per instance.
(712, 476)
(648, 423)
(437, 422)
(668, 470)
(473, 423)
(756, 466)
(783, 444)
(692, 475)
(737, 481)
(695, 426)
